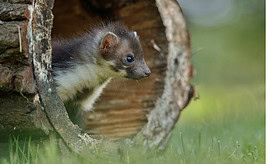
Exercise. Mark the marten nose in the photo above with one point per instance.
(147, 73)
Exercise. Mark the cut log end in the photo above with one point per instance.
(153, 104)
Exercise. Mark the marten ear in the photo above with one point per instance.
(110, 40)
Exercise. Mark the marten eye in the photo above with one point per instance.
(129, 59)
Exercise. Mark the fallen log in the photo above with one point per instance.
(151, 107)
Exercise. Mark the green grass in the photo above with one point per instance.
(227, 123)
(223, 128)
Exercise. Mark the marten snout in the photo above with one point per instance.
(147, 73)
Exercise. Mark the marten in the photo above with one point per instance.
(83, 66)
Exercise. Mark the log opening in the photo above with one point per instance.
(123, 108)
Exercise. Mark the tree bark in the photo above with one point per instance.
(177, 90)
(18, 111)
(36, 37)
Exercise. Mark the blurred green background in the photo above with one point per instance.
(228, 54)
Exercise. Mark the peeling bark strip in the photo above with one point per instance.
(39, 37)
(167, 110)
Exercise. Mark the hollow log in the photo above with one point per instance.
(151, 107)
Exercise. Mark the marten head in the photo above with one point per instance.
(121, 48)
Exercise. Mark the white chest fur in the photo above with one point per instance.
(72, 82)
(88, 103)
